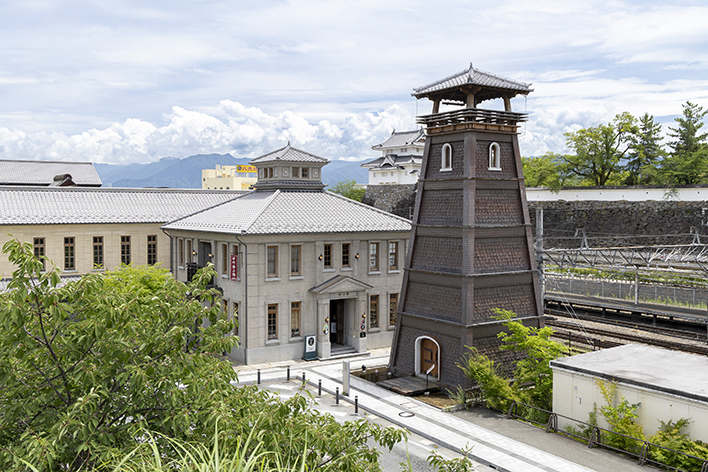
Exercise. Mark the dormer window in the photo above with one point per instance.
(446, 161)
(494, 157)
(296, 172)
(305, 173)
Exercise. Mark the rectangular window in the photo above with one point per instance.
(181, 252)
(152, 249)
(189, 250)
(305, 172)
(392, 308)
(295, 260)
(39, 250)
(98, 252)
(345, 255)
(327, 256)
(393, 255)
(69, 254)
(272, 261)
(296, 172)
(373, 257)
(125, 250)
(374, 311)
(224, 259)
(273, 321)
(295, 319)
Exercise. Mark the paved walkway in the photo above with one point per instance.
(498, 451)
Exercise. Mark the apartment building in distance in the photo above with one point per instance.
(239, 177)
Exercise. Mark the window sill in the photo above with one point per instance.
(394, 271)
(272, 342)
(329, 270)
(374, 330)
(69, 271)
(296, 339)
(296, 277)
(446, 170)
(272, 279)
(346, 269)
(497, 169)
(375, 272)
(102, 269)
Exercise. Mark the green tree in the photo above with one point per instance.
(599, 150)
(544, 171)
(90, 368)
(349, 189)
(644, 152)
(532, 380)
(688, 161)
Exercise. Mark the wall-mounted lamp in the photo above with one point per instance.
(194, 253)
(211, 255)
(357, 256)
(326, 320)
(320, 257)
(363, 315)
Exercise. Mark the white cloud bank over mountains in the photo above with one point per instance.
(230, 128)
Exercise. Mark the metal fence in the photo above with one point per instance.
(643, 451)
(626, 290)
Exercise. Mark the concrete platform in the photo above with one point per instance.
(500, 444)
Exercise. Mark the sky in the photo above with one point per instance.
(134, 81)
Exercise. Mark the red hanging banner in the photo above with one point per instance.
(234, 267)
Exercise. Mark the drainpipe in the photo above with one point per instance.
(172, 254)
(244, 338)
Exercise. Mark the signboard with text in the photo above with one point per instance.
(233, 271)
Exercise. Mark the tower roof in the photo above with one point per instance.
(456, 86)
(289, 154)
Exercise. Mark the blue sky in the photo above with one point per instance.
(133, 81)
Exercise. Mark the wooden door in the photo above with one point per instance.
(429, 357)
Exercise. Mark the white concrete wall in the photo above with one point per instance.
(574, 395)
(632, 194)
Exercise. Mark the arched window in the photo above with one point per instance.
(494, 157)
(446, 161)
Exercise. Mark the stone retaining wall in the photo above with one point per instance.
(397, 199)
(620, 223)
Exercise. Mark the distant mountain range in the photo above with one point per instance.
(187, 173)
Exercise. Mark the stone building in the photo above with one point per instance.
(297, 265)
(83, 230)
(471, 249)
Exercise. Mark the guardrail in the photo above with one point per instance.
(596, 436)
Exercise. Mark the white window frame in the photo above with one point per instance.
(494, 163)
(446, 166)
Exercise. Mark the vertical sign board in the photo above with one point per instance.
(310, 348)
(233, 271)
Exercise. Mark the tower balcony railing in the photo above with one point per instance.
(472, 118)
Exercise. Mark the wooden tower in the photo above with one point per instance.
(470, 249)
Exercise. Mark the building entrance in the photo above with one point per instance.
(337, 322)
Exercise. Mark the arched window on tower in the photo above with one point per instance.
(446, 161)
(494, 157)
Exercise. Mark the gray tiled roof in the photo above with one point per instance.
(402, 139)
(289, 154)
(286, 212)
(393, 159)
(74, 205)
(14, 172)
(472, 76)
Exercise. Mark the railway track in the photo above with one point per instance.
(589, 324)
